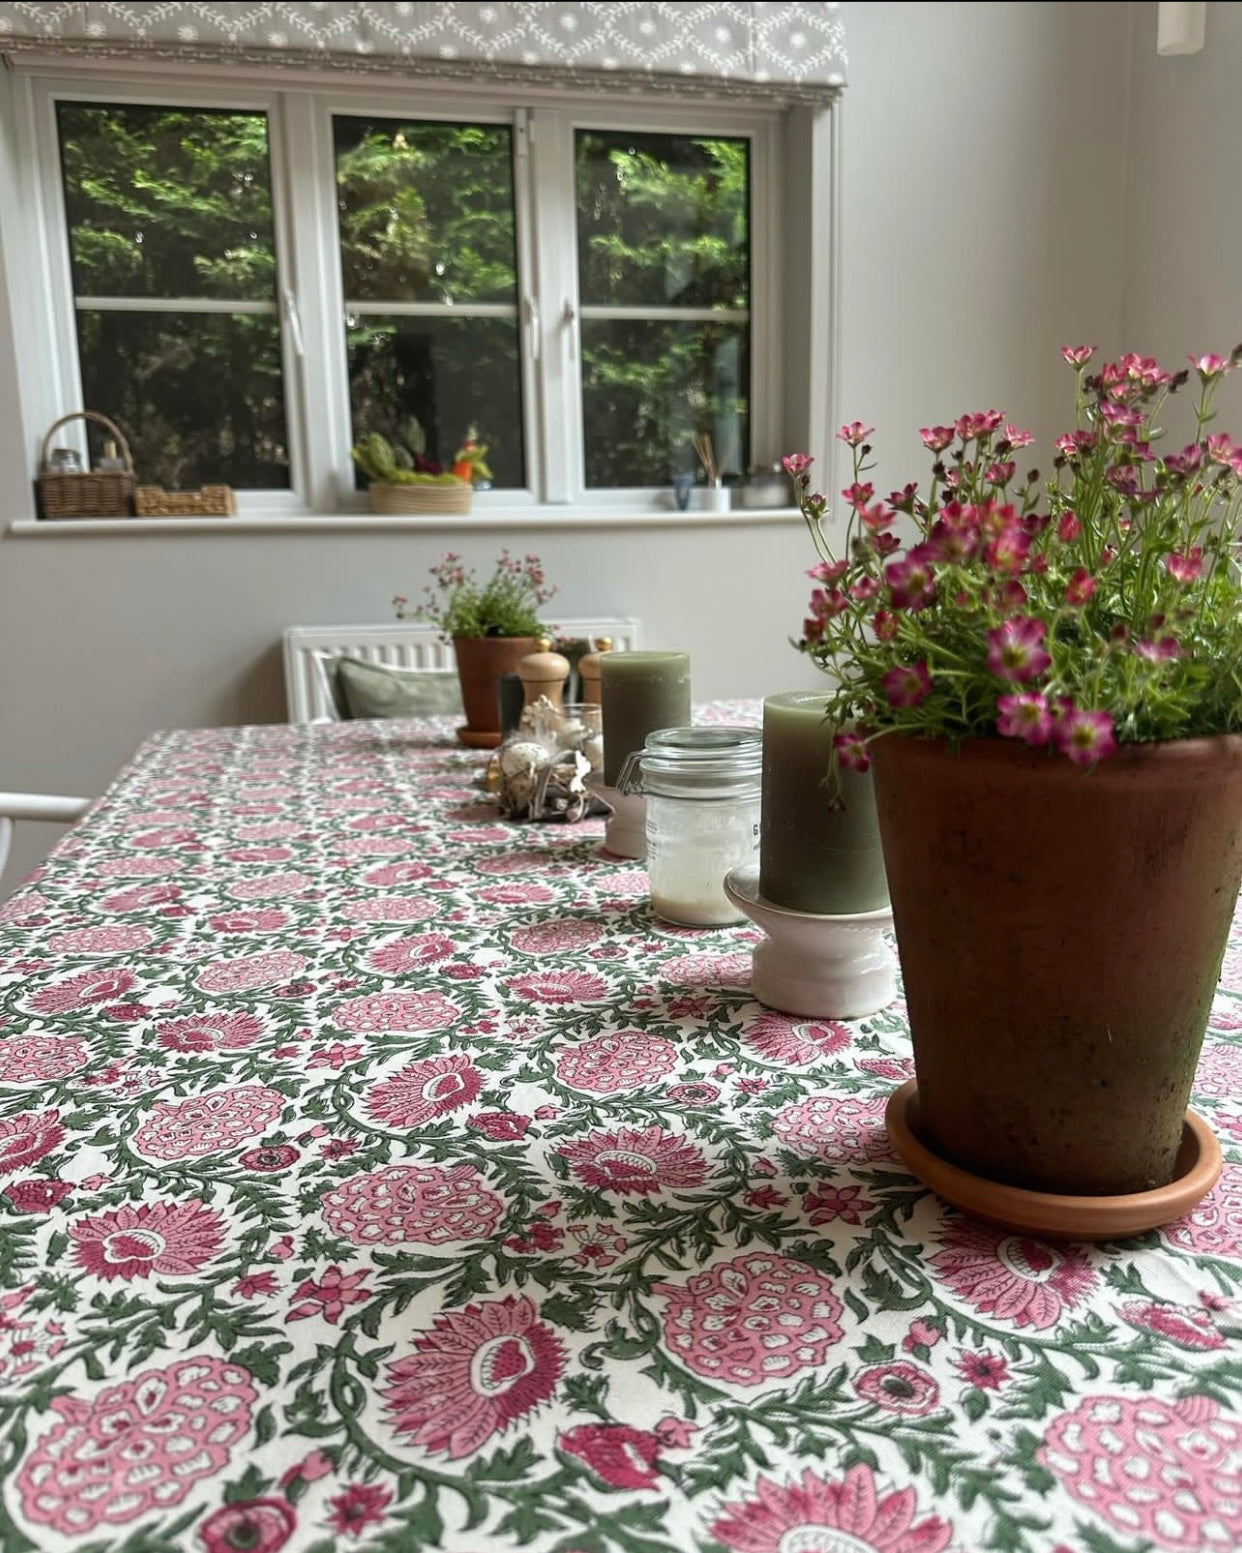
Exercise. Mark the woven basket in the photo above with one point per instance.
(101, 493)
(213, 501)
(430, 500)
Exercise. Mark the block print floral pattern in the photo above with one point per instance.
(371, 1170)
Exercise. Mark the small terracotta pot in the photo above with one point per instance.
(1060, 934)
(481, 660)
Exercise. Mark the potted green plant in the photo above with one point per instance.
(492, 626)
(402, 479)
(1047, 679)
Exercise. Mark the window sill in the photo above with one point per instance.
(317, 523)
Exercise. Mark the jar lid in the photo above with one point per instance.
(703, 754)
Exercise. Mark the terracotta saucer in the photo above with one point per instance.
(478, 741)
(1052, 1215)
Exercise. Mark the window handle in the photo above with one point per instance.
(569, 319)
(532, 324)
(294, 321)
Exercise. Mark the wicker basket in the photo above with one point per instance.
(430, 500)
(101, 493)
(213, 501)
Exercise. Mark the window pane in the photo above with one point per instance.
(199, 395)
(453, 374)
(167, 202)
(648, 386)
(426, 211)
(662, 220)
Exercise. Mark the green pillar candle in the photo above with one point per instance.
(640, 692)
(813, 857)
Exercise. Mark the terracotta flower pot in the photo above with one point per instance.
(1060, 934)
(481, 660)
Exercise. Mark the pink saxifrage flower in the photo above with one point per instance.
(173, 1239)
(911, 582)
(1185, 566)
(1026, 716)
(852, 751)
(814, 1512)
(936, 438)
(756, 1319)
(1080, 588)
(797, 463)
(637, 1161)
(1016, 649)
(907, 684)
(476, 1371)
(855, 433)
(1084, 737)
(1078, 355)
(1210, 366)
(138, 1448)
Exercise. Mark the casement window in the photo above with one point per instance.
(251, 284)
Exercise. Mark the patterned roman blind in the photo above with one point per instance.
(793, 52)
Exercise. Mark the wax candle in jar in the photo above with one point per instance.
(640, 693)
(814, 857)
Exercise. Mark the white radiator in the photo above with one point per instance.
(401, 644)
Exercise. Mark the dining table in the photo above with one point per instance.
(379, 1175)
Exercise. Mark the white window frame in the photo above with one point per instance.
(310, 300)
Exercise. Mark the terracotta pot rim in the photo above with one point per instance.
(485, 638)
(997, 751)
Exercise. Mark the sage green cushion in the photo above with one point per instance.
(374, 690)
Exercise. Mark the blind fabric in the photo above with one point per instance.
(766, 49)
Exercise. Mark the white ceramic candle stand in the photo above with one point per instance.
(819, 967)
(625, 830)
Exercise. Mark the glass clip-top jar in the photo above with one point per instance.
(702, 787)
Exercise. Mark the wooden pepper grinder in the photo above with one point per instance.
(588, 670)
(544, 674)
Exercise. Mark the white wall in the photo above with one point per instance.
(979, 235)
(1182, 279)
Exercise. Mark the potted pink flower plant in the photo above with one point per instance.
(1047, 680)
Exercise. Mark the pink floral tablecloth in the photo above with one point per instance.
(379, 1176)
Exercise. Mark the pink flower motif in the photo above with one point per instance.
(852, 751)
(986, 1370)
(629, 1161)
(208, 1124)
(258, 1525)
(1163, 1471)
(903, 1388)
(568, 986)
(708, 969)
(896, 1068)
(405, 955)
(271, 887)
(1078, 355)
(607, 1064)
(210, 1032)
(1016, 648)
(502, 1126)
(907, 685)
(270, 921)
(1084, 737)
(1025, 716)
(37, 1195)
(100, 940)
(175, 1239)
(765, 1197)
(598, 1245)
(1027, 1282)
(563, 936)
(270, 1159)
(80, 991)
(411, 1013)
(1219, 1073)
(359, 1506)
(1185, 566)
(138, 1448)
(336, 1056)
(1214, 1227)
(694, 1094)
(936, 438)
(829, 1513)
(855, 433)
(755, 1319)
(922, 1334)
(473, 1374)
(836, 1202)
(843, 1130)
(1182, 1324)
(618, 1456)
(250, 972)
(431, 1204)
(255, 1283)
(780, 1038)
(27, 1059)
(318, 1464)
(27, 1137)
(389, 908)
(327, 1297)
(423, 1090)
